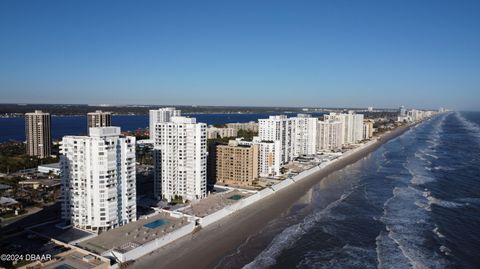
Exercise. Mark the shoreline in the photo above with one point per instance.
(206, 247)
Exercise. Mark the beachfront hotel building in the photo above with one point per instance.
(352, 126)
(237, 164)
(161, 115)
(329, 135)
(98, 178)
(99, 119)
(38, 133)
(180, 158)
(215, 132)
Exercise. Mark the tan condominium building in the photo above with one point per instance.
(214, 132)
(237, 165)
(99, 119)
(38, 134)
(368, 129)
(247, 126)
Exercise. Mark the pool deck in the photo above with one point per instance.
(214, 203)
(133, 234)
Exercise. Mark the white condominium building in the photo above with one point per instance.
(352, 126)
(269, 156)
(277, 128)
(161, 115)
(297, 135)
(180, 156)
(329, 135)
(304, 135)
(98, 179)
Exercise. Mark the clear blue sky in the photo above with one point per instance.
(274, 53)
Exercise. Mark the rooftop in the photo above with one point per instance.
(51, 165)
(6, 201)
(68, 235)
(104, 131)
(4, 187)
(215, 202)
(133, 234)
(76, 259)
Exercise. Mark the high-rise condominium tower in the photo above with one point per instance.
(352, 126)
(98, 179)
(304, 135)
(297, 135)
(277, 128)
(38, 133)
(180, 155)
(329, 135)
(161, 115)
(99, 119)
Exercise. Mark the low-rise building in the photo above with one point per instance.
(72, 258)
(40, 183)
(53, 168)
(9, 204)
(246, 126)
(215, 132)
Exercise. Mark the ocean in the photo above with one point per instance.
(413, 203)
(14, 128)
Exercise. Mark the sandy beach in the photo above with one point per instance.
(207, 246)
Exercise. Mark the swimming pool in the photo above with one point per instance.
(155, 224)
(235, 197)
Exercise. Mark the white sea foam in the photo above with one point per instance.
(407, 222)
(443, 203)
(389, 254)
(290, 235)
(437, 232)
(445, 250)
(470, 200)
(470, 126)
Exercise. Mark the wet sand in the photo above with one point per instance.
(206, 247)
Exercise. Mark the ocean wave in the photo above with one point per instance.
(290, 235)
(345, 257)
(437, 232)
(444, 168)
(445, 250)
(407, 224)
(418, 169)
(389, 254)
(470, 126)
(443, 203)
(470, 201)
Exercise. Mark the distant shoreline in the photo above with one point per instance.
(207, 247)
